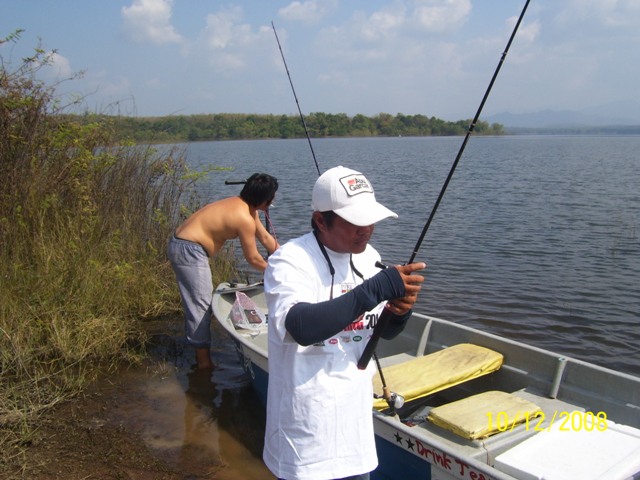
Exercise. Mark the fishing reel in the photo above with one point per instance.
(393, 399)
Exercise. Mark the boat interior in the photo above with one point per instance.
(493, 412)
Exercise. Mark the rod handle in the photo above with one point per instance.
(370, 348)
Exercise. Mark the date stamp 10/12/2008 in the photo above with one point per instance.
(574, 421)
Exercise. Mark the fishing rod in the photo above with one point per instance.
(393, 399)
(384, 318)
(313, 154)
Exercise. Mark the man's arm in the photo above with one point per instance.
(247, 236)
(309, 323)
(267, 240)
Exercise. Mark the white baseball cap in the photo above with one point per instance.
(350, 195)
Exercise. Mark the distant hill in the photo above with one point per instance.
(613, 114)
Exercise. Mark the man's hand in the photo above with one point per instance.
(412, 285)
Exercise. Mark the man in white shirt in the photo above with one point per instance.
(324, 295)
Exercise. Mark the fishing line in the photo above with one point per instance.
(313, 154)
(386, 314)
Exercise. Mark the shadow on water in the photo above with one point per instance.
(206, 424)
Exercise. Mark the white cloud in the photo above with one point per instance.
(57, 67)
(624, 13)
(223, 28)
(387, 32)
(308, 11)
(526, 32)
(230, 43)
(364, 37)
(602, 13)
(382, 24)
(439, 15)
(60, 65)
(150, 20)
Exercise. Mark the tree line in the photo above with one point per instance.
(237, 126)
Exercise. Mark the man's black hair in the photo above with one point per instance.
(329, 217)
(260, 188)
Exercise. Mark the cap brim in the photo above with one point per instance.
(365, 215)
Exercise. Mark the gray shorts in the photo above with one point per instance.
(190, 263)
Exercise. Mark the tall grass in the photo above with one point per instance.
(83, 228)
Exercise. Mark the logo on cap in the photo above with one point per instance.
(355, 184)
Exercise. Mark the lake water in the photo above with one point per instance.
(536, 238)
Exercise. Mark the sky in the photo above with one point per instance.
(429, 57)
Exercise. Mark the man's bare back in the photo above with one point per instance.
(215, 223)
(226, 219)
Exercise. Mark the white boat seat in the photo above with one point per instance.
(482, 415)
(437, 371)
(585, 447)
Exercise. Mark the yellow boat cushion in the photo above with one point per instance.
(485, 414)
(437, 371)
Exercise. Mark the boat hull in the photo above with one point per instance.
(254, 367)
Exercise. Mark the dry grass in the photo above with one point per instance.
(84, 223)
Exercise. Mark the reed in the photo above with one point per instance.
(84, 223)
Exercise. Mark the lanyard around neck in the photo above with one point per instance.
(332, 270)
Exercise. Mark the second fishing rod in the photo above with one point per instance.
(386, 315)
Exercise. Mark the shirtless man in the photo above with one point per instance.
(201, 236)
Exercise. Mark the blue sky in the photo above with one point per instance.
(433, 57)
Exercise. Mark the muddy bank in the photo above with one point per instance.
(160, 420)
